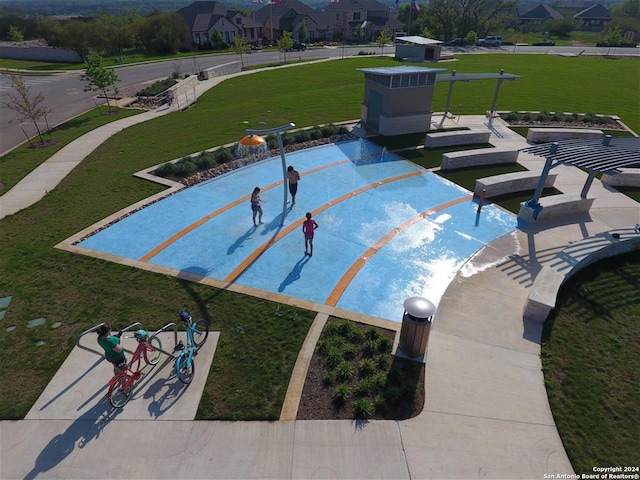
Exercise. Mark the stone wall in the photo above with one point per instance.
(39, 53)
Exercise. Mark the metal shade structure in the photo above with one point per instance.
(467, 77)
(606, 156)
(277, 130)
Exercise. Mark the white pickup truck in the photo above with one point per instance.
(490, 41)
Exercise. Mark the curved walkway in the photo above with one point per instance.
(486, 413)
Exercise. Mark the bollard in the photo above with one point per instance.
(482, 195)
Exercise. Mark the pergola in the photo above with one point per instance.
(467, 77)
(606, 156)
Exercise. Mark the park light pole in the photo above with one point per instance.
(277, 131)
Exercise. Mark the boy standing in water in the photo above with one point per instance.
(308, 227)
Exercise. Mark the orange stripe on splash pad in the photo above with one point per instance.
(260, 250)
(346, 279)
(174, 238)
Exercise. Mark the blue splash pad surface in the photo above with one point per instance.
(353, 187)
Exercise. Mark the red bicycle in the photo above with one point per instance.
(121, 386)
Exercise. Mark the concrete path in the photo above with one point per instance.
(486, 413)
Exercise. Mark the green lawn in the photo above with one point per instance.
(591, 359)
(259, 339)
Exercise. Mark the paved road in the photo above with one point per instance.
(65, 95)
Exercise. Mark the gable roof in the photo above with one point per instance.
(598, 11)
(348, 5)
(201, 13)
(541, 11)
(278, 10)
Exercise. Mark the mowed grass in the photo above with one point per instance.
(591, 359)
(259, 339)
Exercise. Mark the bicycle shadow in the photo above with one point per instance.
(83, 430)
(164, 394)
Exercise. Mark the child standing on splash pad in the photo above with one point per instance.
(255, 206)
(308, 227)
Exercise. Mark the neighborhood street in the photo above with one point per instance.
(64, 92)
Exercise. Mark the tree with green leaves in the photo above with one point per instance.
(383, 39)
(285, 43)
(216, 38)
(240, 46)
(100, 78)
(27, 106)
(303, 32)
(15, 35)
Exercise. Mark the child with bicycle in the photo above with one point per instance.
(112, 346)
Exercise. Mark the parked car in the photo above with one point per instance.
(456, 42)
(490, 41)
(298, 46)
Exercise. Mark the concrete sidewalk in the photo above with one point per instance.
(486, 412)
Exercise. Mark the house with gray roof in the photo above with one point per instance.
(531, 17)
(290, 15)
(203, 17)
(593, 19)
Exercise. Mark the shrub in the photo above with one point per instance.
(223, 155)
(385, 344)
(344, 370)
(205, 161)
(372, 333)
(350, 351)
(315, 133)
(363, 388)
(184, 167)
(341, 393)
(367, 367)
(382, 361)
(157, 88)
(370, 347)
(333, 357)
(362, 409)
(166, 170)
(511, 117)
(556, 117)
(378, 381)
(543, 117)
(301, 136)
(328, 131)
(328, 377)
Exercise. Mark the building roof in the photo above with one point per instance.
(199, 15)
(418, 40)
(541, 11)
(466, 77)
(349, 5)
(598, 11)
(403, 70)
(596, 155)
(277, 10)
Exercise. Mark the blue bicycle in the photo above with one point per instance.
(197, 334)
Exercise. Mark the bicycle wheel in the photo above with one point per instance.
(200, 332)
(185, 370)
(119, 393)
(153, 351)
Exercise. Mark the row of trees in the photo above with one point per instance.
(447, 19)
(158, 32)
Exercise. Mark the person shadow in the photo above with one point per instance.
(240, 240)
(294, 274)
(84, 429)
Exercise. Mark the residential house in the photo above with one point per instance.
(594, 18)
(290, 15)
(532, 17)
(571, 8)
(205, 16)
(361, 20)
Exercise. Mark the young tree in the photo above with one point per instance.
(15, 35)
(303, 32)
(24, 104)
(100, 78)
(216, 38)
(285, 43)
(240, 46)
(383, 39)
